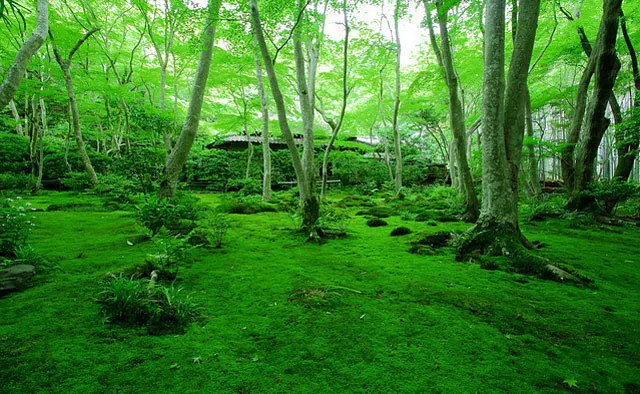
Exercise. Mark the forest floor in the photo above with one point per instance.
(353, 315)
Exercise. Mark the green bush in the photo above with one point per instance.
(177, 215)
(14, 155)
(16, 224)
(246, 205)
(332, 220)
(143, 302)
(16, 181)
(76, 181)
(171, 254)
(608, 193)
(245, 187)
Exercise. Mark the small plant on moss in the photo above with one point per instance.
(246, 205)
(26, 254)
(163, 309)
(332, 220)
(171, 254)
(218, 225)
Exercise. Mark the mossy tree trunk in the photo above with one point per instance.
(65, 65)
(178, 157)
(605, 65)
(25, 53)
(456, 112)
(497, 230)
(305, 175)
(266, 150)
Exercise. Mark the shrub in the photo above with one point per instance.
(178, 214)
(162, 309)
(608, 193)
(245, 187)
(218, 224)
(16, 182)
(332, 221)
(171, 254)
(26, 254)
(15, 226)
(246, 205)
(116, 185)
(76, 181)
(14, 155)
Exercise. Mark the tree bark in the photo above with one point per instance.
(456, 112)
(606, 67)
(336, 126)
(497, 230)
(396, 104)
(628, 147)
(16, 117)
(25, 53)
(178, 157)
(266, 149)
(309, 202)
(65, 65)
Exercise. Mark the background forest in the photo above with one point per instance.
(319, 196)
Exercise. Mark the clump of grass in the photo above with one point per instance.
(142, 302)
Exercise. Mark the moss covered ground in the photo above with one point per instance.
(353, 315)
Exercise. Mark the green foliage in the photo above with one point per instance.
(171, 254)
(608, 193)
(162, 309)
(76, 181)
(332, 220)
(245, 205)
(549, 206)
(218, 225)
(143, 165)
(178, 214)
(16, 181)
(14, 155)
(16, 223)
(245, 187)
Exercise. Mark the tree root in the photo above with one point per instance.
(500, 239)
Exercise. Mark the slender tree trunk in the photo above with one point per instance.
(336, 126)
(456, 113)
(310, 203)
(628, 147)
(25, 53)
(532, 174)
(396, 105)
(606, 67)
(179, 154)
(266, 149)
(16, 117)
(65, 65)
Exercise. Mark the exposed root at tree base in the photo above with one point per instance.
(491, 239)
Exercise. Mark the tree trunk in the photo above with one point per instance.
(606, 67)
(266, 150)
(396, 105)
(336, 126)
(65, 65)
(16, 117)
(628, 147)
(497, 230)
(310, 207)
(179, 154)
(456, 113)
(533, 179)
(25, 53)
